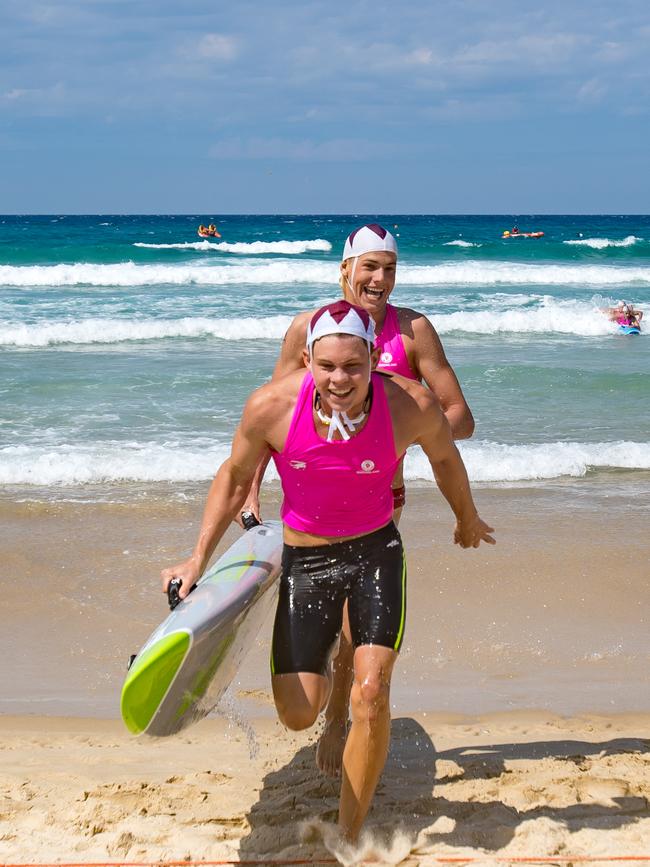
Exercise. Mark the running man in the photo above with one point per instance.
(337, 432)
(409, 348)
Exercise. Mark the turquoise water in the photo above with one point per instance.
(128, 345)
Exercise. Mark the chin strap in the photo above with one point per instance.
(349, 279)
(338, 421)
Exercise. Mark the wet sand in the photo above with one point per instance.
(521, 698)
(554, 617)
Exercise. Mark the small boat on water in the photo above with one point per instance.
(518, 234)
(208, 232)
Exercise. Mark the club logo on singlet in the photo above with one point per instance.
(386, 358)
(298, 465)
(367, 467)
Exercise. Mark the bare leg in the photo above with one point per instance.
(299, 698)
(329, 753)
(366, 747)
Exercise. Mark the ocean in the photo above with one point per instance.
(128, 345)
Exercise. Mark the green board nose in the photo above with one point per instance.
(149, 678)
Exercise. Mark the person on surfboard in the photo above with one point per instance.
(624, 314)
(410, 350)
(337, 432)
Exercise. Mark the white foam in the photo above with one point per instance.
(460, 243)
(519, 314)
(280, 271)
(474, 273)
(73, 464)
(127, 274)
(497, 462)
(602, 243)
(547, 317)
(284, 248)
(197, 460)
(109, 331)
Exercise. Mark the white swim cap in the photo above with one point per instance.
(369, 239)
(341, 317)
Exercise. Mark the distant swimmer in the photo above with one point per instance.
(624, 314)
(337, 432)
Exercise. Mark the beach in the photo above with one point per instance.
(520, 702)
(518, 784)
(521, 699)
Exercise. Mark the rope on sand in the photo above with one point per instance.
(469, 859)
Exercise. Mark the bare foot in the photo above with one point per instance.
(329, 752)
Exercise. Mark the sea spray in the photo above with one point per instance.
(373, 846)
(233, 712)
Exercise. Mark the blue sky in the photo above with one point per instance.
(118, 106)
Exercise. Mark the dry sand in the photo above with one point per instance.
(519, 784)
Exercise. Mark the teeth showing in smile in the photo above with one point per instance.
(374, 293)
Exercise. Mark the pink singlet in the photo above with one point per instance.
(393, 358)
(343, 487)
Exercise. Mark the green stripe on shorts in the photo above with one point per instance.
(400, 634)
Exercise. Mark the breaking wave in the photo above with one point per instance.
(109, 331)
(602, 243)
(78, 463)
(508, 316)
(284, 248)
(281, 271)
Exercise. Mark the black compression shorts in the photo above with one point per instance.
(370, 572)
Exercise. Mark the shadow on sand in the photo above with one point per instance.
(406, 802)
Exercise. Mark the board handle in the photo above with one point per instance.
(249, 520)
(173, 592)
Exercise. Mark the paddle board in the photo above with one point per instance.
(184, 668)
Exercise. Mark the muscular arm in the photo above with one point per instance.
(293, 343)
(227, 493)
(446, 463)
(435, 370)
(432, 432)
(290, 359)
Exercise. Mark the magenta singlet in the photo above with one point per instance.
(343, 487)
(393, 358)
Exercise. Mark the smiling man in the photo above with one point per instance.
(337, 433)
